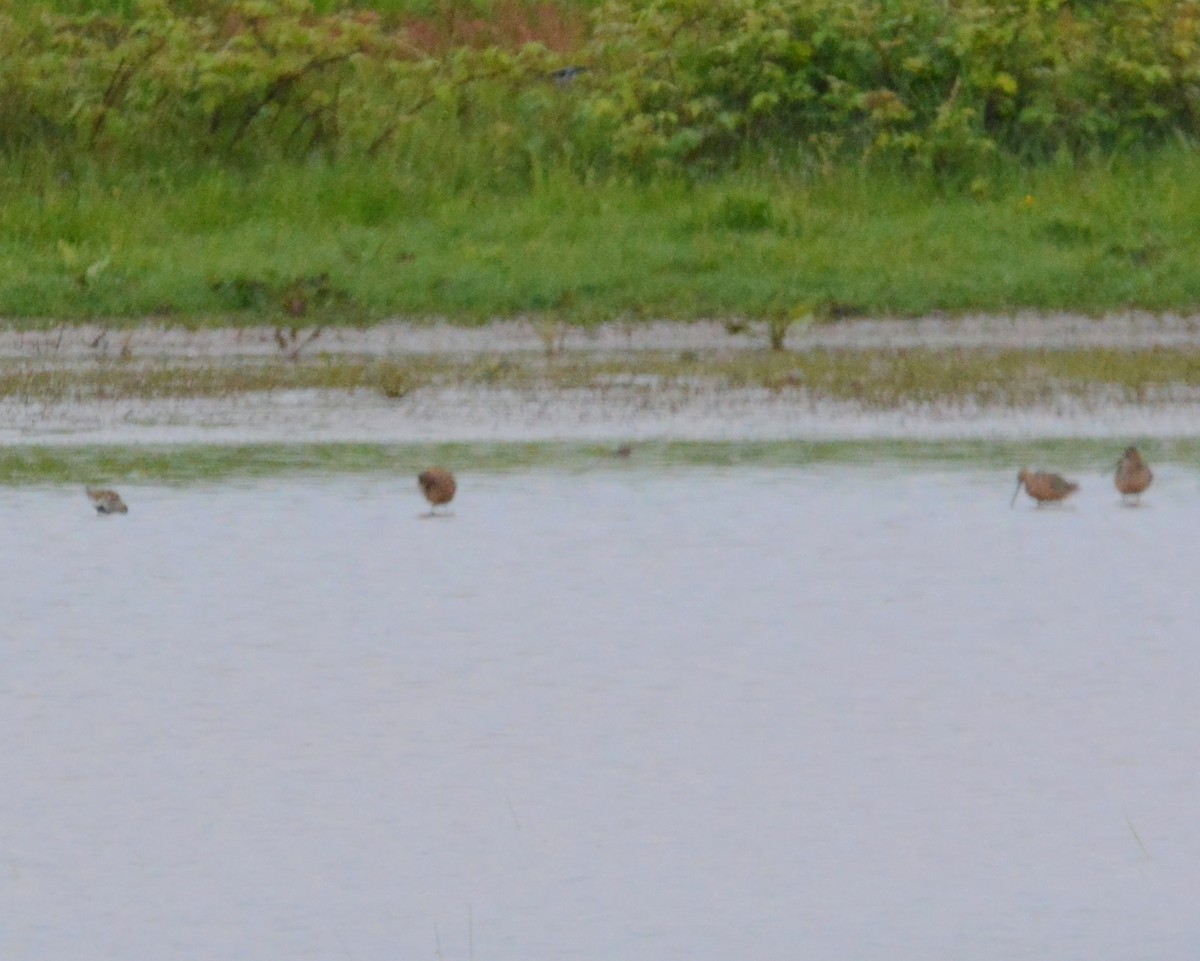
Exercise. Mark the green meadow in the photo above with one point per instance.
(359, 243)
(197, 162)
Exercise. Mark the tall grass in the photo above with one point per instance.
(363, 241)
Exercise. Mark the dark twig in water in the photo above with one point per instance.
(1136, 836)
(290, 343)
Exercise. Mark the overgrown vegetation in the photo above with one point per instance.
(938, 85)
(668, 84)
(777, 158)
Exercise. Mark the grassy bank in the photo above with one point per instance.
(357, 241)
(312, 163)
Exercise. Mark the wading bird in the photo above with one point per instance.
(1042, 487)
(107, 502)
(438, 486)
(1133, 475)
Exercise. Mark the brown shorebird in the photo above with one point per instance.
(438, 486)
(1133, 475)
(107, 502)
(1044, 488)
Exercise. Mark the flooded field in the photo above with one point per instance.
(538, 381)
(713, 701)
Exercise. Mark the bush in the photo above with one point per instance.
(937, 84)
(240, 81)
(669, 85)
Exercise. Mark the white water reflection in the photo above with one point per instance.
(837, 712)
(664, 413)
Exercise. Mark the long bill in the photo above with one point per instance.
(1013, 502)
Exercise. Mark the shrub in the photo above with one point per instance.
(669, 85)
(940, 85)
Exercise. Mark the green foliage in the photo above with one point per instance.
(743, 211)
(671, 86)
(311, 159)
(250, 81)
(942, 85)
(305, 244)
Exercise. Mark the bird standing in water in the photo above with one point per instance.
(1133, 475)
(1044, 488)
(107, 502)
(438, 486)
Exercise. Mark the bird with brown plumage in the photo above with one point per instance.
(106, 501)
(438, 486)
(1043, 487)
(1133, 476)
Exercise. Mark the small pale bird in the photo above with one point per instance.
(107, 502)
(1133, 475)
(1044, 488)
(438, 486)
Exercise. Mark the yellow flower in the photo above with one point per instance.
(1029, 200)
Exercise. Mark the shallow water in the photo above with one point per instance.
(64, 344)
(655, 415)
(856, 710)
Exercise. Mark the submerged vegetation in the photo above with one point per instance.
(152, 464)
(870, 378)
(301, 160)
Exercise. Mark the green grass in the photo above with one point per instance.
(424, 8)
(201, 464)
(364, 242)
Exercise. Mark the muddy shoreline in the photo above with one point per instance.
(1024, 331)
(598, 406)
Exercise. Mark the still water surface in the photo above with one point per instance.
(837, 711)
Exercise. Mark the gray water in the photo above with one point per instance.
(840, 711)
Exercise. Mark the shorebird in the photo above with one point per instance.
(1044, 488)
(107, 502)
(1133, 475)
(438, 486)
